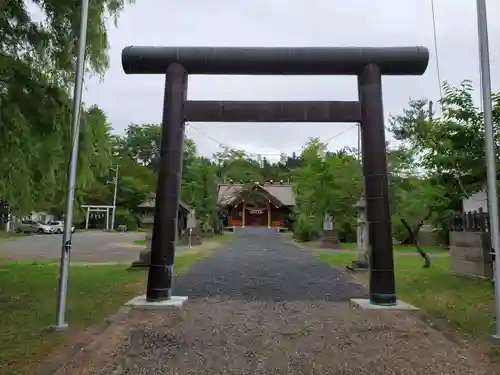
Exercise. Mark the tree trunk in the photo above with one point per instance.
(412, 237)
(414, 234)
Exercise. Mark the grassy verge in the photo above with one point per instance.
(224, 237)
(28, 304)
(400, 248)
(4, 234)
(349, 246)
(464, 304)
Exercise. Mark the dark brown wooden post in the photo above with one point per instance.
(382, 282)
(482, 220)
(468, 222)
(161, 270)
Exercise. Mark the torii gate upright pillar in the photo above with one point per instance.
(382, 283)
(161, 269)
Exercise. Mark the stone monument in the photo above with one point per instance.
(329, 239)
(145, 254)
(363, 244)
(192, 235)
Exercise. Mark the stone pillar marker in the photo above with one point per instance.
(192, 236)
(329, 239)
(269, 214)
(243, 214)
(363, 243)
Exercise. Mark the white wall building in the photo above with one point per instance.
(476, 201)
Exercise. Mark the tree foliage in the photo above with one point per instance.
(450, 146)
(37, 65)
(440, 160)
(325, 183)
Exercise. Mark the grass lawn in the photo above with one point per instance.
(224, 237)
(4, 234)
(401, 248)
(28, 305)
(349, 246)
(464, 304)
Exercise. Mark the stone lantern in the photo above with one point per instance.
(363, 243)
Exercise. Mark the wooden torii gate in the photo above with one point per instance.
(369, 64)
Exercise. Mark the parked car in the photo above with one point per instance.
(58, 226)
(30, 226)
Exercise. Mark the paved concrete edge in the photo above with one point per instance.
(365, 304)
(140, 302)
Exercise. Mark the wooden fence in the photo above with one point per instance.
(472, 221)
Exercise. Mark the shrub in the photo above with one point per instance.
(305, 228)
(125, 217)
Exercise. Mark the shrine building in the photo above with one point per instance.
(257, 205)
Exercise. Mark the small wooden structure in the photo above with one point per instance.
(147, 213)
(187, 233)
(257, 205)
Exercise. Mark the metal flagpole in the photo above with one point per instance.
(489, 136)
(75, 127)
(114, 198)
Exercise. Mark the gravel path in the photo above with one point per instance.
(262, 267)
(262, 306)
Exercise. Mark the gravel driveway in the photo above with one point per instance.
(90, 246)
(263, 306)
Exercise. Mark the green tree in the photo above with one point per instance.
(236, 165)
(416, 199)
(199, 189)
(450, 146)
(325, 182)
(447, 160)
(143, 142)
(310, 191)
(37, 64)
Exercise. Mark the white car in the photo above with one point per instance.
(30, 226)
(58, 226)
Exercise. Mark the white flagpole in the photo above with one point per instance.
(484, 58)
(75, 127)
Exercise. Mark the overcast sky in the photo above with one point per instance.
(138, 99)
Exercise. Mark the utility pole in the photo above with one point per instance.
(491, 173)
(114, 182)
(75, 128)
(431, 104)
(259, 160)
